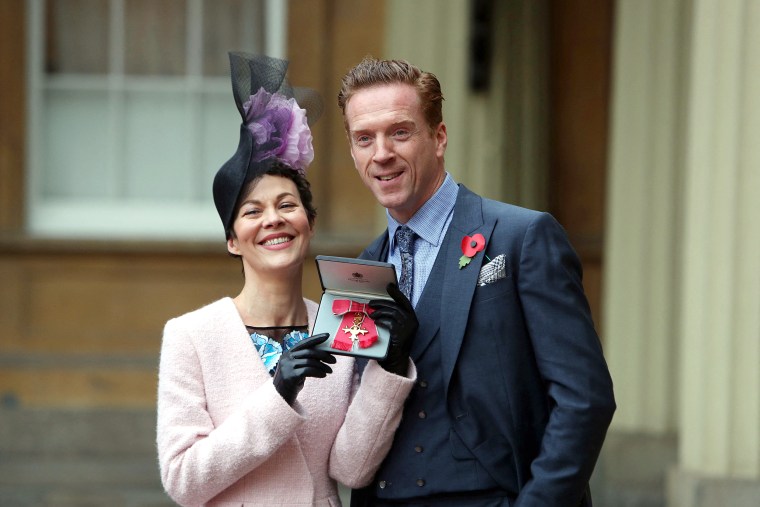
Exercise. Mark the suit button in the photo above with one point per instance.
(417, 448)
(422, 414)
(420, 482)
(423, 384)
(381, 484)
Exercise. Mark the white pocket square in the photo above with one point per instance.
(494, 270)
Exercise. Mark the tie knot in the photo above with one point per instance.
(404, 238)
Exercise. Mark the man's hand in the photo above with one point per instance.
(399, 318)
(300, 362)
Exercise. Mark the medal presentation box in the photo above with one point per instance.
(348, 285)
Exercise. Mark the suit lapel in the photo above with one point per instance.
(451, 308)
(459, 284)
(378, 249)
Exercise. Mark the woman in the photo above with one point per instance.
(238, 421)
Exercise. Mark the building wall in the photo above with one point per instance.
(111, 298)
(12, 99)
(80, 321)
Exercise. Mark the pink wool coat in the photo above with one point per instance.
(226, 437)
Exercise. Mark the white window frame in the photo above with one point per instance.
(120, 217)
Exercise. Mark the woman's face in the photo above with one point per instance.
(272, 231)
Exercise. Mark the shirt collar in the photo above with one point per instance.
(428, 222)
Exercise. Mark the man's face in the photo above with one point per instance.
(396, 154)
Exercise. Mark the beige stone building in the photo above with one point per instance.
(633, 121)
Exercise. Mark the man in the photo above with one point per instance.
(513, 397)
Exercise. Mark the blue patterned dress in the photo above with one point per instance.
(271, 342)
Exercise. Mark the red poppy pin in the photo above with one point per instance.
(470, 246)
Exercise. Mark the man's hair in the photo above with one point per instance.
(373, 72)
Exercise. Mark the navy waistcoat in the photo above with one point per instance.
(427, 457)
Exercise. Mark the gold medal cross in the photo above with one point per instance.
(356, 329)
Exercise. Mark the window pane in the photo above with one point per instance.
(221, 130)
(77, 36)
(158, 147)
(155, 37)
(75, 132)
(230, 25)
(119, 125)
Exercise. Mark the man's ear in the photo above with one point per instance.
(351, 148)
(442, 139)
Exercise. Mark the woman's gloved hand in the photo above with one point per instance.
(399, 318)
(300, 362)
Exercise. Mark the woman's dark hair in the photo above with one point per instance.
(283, 171)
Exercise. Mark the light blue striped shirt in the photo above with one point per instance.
(430, 223)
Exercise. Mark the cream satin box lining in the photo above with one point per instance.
(356, 280)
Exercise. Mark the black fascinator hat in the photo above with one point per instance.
(274, 129)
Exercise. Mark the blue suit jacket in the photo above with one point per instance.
(527, 386)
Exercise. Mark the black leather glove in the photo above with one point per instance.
(300, 362)
(399, 318)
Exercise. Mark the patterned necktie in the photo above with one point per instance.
(405, 241)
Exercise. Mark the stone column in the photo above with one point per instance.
(497, 137)
(682, 292)
(642, 248)
(719, 452)
(642, 225)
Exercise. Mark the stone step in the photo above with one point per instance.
(49, 496)
(78, 431)
(26, 470)
(79, 457)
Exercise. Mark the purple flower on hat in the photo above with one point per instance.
(279, 129)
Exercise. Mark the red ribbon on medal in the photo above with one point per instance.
(354, 327)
